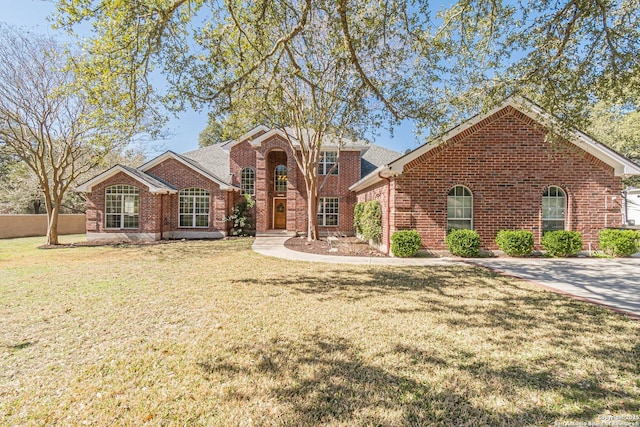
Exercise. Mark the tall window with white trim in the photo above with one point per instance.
(247, 181)
(194, 208)
(459, 208)
(122, 206)
(280, 177)
(327, 161)
(554, 209)
(328, 212)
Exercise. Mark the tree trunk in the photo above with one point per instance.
(312, 208)
(312, 221)
(52, 225)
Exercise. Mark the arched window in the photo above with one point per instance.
(122, 205)
(194, 207)
(280, 179)
(247, 181)
(459, 208)
(554, 209)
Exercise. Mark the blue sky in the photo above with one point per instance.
(183, 131)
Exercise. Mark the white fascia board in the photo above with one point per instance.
(621, 165)
(256, 142)
(252, 132)
(171, 155)
(87, 186)
(373, 178)
(247, 136)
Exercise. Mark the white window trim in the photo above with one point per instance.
(472, 209)
(194, 214)
(325, 166)
(121, 214)
(566, 203)
(242, 181)
(321, 201)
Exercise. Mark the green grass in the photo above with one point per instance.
(211, 333)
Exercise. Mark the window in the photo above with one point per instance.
(327, 160)
(247, 181)
(281, 179)
(328, 212)
(194, 207)
(459, 208)
(121, 206)
(554, 207)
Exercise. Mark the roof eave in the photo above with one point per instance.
(373, 178)
(170, 154)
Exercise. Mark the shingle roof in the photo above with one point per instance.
(148, 178)
(213, 158)
(374, 157)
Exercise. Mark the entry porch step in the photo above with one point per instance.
(275, 233)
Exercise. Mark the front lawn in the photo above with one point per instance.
(211, 333)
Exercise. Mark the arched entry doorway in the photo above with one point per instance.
(277, 191)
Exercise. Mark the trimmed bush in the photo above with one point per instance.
(562, 243)
(370, 220)
(515, 242)
(405, 243)
(619, 243)
(464, 243)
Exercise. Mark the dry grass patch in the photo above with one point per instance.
(210, 333)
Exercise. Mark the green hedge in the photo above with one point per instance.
(515, 242)
(562, 243)
(464, 243)
(367, 218)
(619, 243)
(405, 243)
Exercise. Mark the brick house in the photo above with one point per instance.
(495, 171)
(176, 196)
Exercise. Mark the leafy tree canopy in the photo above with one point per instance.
(414, 61)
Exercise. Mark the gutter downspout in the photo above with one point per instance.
(161, 216)
(626, 207)
(388, 227)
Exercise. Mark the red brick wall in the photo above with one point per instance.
(506, 163)
(266, 157)
(338, 186)
(182, 177)
(149, 208)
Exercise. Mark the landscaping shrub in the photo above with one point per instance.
(463, 243)
(370, 221)
(562, 243)
(240, 218)
(619, 242)
(358, 209)
(515, 242)
(405, 243)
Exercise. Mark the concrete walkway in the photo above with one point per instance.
(614, 283)
(274, 246)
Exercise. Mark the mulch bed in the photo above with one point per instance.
(346, 246)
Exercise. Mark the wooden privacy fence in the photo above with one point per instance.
(36, 225)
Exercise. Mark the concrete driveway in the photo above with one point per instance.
(611, 282)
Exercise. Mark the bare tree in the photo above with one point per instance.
(48, 121)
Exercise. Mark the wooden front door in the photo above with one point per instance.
(280, 213)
